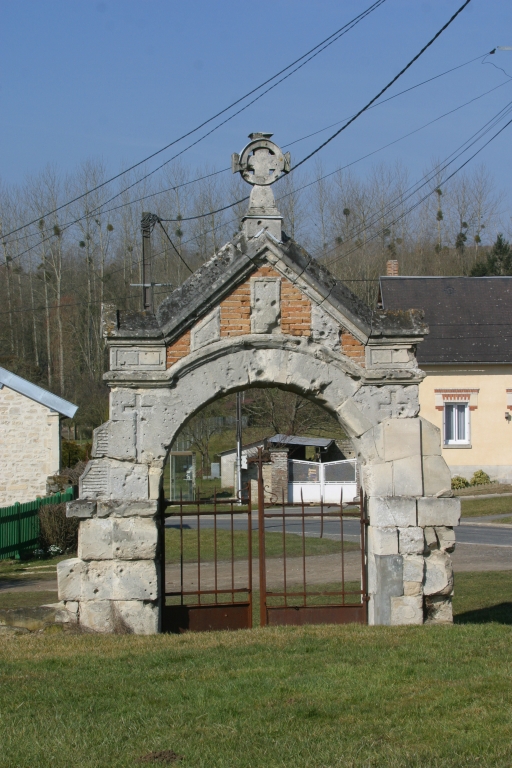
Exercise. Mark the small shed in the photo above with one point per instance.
(30, 444)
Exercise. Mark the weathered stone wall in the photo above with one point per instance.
(29, 448)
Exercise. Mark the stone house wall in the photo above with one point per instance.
(29, 448)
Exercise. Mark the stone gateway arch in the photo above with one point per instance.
(262, 312)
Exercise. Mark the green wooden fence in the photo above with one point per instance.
(19, 524)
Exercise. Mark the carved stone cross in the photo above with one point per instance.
(262, 163)
(138, 412)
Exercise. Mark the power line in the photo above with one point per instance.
(406, 213)
(224, 170)
(87, 303)
(171, 242)
(311, 54)
(386, 87)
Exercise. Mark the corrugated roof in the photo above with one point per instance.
(317, 442)
(38, 394)
(469, 318)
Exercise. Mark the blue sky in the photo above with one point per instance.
(118, 79)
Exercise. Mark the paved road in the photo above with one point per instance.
(477, 534)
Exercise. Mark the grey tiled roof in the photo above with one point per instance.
(470, 318)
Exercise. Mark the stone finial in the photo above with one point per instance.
(260, 164)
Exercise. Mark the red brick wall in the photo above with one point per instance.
(352, 348)
(178, 349)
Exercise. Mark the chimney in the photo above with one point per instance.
(392, 268)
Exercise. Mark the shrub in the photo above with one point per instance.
(58, 533)
(480, 478)
(459, 482)
(72, 452)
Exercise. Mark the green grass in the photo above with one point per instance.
(483, 507)
(349, 696)
(34, 599)
(273, 545)
(483, 597)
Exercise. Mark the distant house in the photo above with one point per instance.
(30, 437)
(467, 358)
(287, 473)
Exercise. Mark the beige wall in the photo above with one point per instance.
(491, 433)
(29, 447)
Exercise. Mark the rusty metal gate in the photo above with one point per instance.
(309, 563)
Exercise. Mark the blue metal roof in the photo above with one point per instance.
(40, 395)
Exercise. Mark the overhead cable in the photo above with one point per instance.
(312, 53)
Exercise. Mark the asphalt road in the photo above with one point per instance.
(485, 535)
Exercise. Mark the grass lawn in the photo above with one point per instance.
(436, 697)
(273, 545)
(482, 507)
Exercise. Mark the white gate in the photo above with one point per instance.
(314, 482)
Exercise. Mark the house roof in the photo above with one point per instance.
(38, 394)
(280, 439)
(470, 318)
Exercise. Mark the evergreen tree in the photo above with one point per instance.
(498, 261)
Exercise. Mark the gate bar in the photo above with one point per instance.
(261, 541)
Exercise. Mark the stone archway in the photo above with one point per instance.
(262, 312)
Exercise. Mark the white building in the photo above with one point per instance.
(30, 437)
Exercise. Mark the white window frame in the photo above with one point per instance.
(456, 441)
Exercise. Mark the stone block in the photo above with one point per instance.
(110, 478)
(430, 438)
(436, 475)
(127, 508)
(386, 580)
(414, 567)
(265, 304)
(135, 580)
(398, 511)
(95, 540)
(435, 512)
(140, 617)
(382, 541)
(133, 538)
(353, 419)
(412, 588)
(324, 329)
(410, 541)
(407, 477)
(121, 439)
(80, 508)
(155, 477)
(69, 578)
(206, 331)
(438, 574)
(379, 403)
(430, 538)
(97, 580)
(446, 538)
(97, 615)
(378, 479)
(407, 609)
(401, 438)
(128, 481)
(439, 610)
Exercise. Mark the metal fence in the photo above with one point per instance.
(19, 524)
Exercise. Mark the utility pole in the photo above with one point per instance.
(147, 223)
